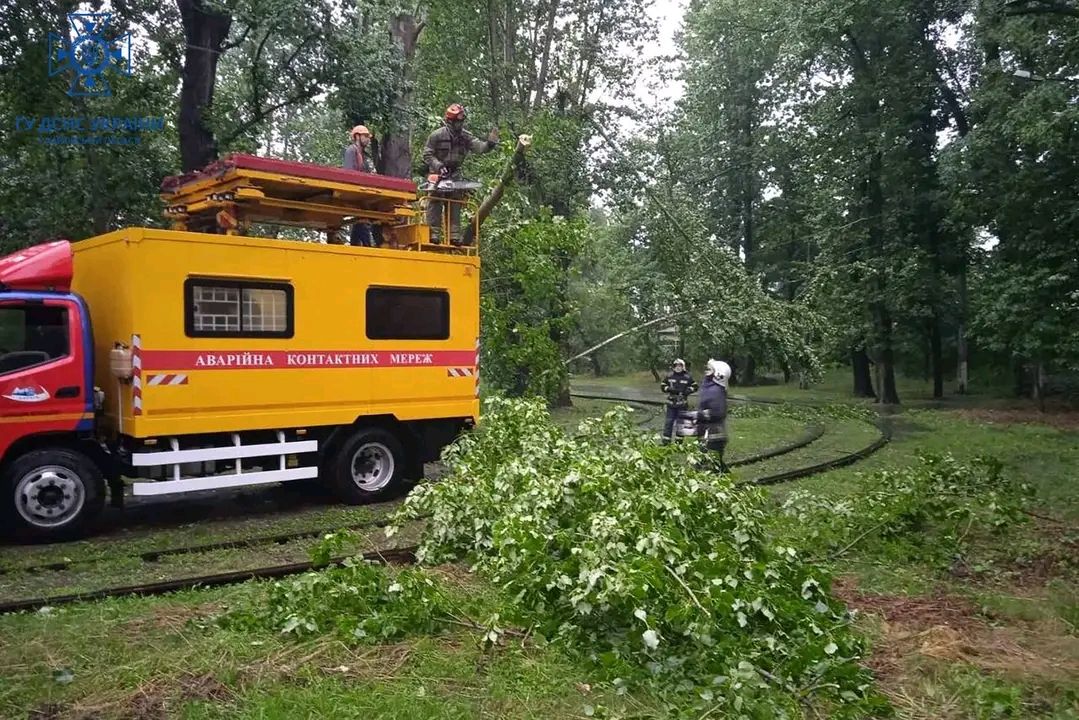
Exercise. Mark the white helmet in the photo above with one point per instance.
(679, 361)
(719, 371)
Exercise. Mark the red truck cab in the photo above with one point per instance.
(48, 470)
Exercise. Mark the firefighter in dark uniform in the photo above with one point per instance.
(712, 411)
(679, 386)
(444, 154)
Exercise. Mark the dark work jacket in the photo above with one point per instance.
(448, 149)
(678, 386)
(713, 399)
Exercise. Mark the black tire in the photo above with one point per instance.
(380, 464)
(52, 494)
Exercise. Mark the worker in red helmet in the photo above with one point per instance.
(444, 154)
(357, 157)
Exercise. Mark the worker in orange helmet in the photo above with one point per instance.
(444, 154)
(357, 157)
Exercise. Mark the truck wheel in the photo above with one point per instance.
(53, 494)
(369, 467)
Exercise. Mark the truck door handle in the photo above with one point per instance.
(70, 391)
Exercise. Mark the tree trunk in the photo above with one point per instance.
(396, 158)
(927, 353)
(205, 31)
(936, 355)
(749, 375)
(889, 394)
(961, 340)
(1039, 384)
(548, 38)
(1019, 376)
(655, 373)
(495, 75)
(863, 380)
(597, 369)
(878, 385)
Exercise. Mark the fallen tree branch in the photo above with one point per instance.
(622, 334)
(489, 202)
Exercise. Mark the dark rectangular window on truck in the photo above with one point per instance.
(408, 314)
(32, 335)
(238, 308)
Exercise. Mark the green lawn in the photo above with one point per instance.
(996, 635)
(834, 386)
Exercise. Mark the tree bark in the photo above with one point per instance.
(1039, 384)
(888, 394)
(396, 159)
(961, 340)
(863, 379)
(936, 356)
(655, 373)
(205, 31)
(495, 75)
(489, 202)
(597, 368)
(749, 374)
(545, 58)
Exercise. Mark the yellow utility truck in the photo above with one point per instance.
(157, 361)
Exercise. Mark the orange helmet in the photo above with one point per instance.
(455, 112)
(359, 130)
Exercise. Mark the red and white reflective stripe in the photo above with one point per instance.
(136, 375)
(191, 360)
(460, 372)
(166, 379)
(477, 364)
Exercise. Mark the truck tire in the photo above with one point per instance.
(52, 494)
(369, 466)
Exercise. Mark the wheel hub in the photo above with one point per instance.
(49, 496)
(372, 466)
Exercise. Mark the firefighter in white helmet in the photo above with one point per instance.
(712, 409)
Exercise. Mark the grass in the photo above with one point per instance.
(996, 636)
(167, 657)
(834, 386)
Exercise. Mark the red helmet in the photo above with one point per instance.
(455, 112)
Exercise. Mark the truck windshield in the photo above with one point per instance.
(31, 335)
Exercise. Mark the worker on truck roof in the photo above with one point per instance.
(444, 154)
(356, 157)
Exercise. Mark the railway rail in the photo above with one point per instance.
(403, 555)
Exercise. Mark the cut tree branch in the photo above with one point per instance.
(622, 334)
(489, 202)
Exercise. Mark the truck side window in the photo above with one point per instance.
(32, 335)
(234, 308)
(408, 314)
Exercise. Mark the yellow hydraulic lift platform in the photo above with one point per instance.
(239, 190)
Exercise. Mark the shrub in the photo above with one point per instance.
(626, 552)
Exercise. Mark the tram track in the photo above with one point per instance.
(402, 555)
(154, 555)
